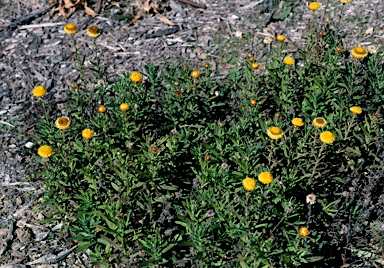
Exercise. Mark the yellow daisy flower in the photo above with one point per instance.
(93, 31)
(265, 177)
(298, 122)
(254, 65)
(289, 61)
(101, 109)
(356, 110)
(70, 28)
(62, 122)
(359, 52)
(274, 133)
(249, 184)
(319, 122)
(45, 151)
(303, 231)
(280, 38)
(253, 102)
(124, 107)
(314, 6)
(345, 1)
(136, 77)
(327, 137)
(39, 91)
(87, 133)
(195, 74)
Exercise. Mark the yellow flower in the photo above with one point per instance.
(39, 91)
(87, 133)
(265, 177)
(249, 184)
(327, 137)
(253, 102)
(345, 1)
(154, 149)
(93, 31)
(251, 59)
(101, 109)
(136, 77)
(298, 122)
(195, 74)
(62, 122)
(70, 28)
(314, 6)
(319, 122)
(255, 65)
(303, 231)
(339, 49)
(356, 110)
(274, 133)
(45, 151)
(124, 107)
(280, 38)
(289, 61)
(359, 52)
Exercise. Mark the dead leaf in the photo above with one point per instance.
(164, 19)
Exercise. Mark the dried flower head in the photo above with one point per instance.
(249, 184)
(87, 133)
(298, 122)
(289, 61)
(253, 102)
(319, 122)
(177, 93)
(359, 52)
(101, 109)
(267, 40)
(195, 74)
(136, 77)
(280, 38)
(254, 65)
(62, 122)
(70, 28)
(303, 231)
(154, 149)
(206, 66)
(356, 110)
(327, 137)
(39, 91)
(274, 133)
(339, 49)
(314, 6)
(45, 151)
(124, 107)
(265, 177)
(93, 31)
(224, 165)
(371, 49)
(311, 199)
(207, 157)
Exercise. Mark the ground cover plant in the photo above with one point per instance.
(171, 167)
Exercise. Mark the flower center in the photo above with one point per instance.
(63, 121)
(360, 50)
(319, 121)
(275, 131)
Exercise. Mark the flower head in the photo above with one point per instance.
(327, 137)
(253, 102)
(70, 28)
(87, 133)
(289, 61)
(356, 110)
(62, 122)
(124, 107)
(303, 231)
(154, 149)
(359, 52)
(274, 133)
(249, 184)
(314, 6)
(101, 109)
(265, 177)
(345, 1)
(339, 49)
(371, 49)
(45, 151)
(280, 38)
(254, 65)
(311, 199)
(93, 31)
(319, 122)
(298, 122)
(206, 66)
(267, 40)
(136, 77)
(251, 59)
(195, 74)
(39, 91)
